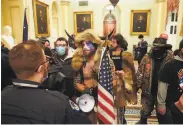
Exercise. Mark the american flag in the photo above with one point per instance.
(106, 112)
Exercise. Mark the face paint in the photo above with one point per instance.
(90, 45)
(88, 48)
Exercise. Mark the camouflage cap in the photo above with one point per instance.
(160, 42)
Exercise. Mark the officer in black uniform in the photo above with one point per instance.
(24, 102)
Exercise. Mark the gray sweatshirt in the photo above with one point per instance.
(162, 90)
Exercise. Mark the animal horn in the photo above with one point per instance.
(102, 37)
(69, 35)
(110, 34)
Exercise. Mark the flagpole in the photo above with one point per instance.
(25, 27)
(103, 50)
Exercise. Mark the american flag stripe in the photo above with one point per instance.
(102, 89)
(107, 119)
(103, 94)
(105, 103)
(107, 110)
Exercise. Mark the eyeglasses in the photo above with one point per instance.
(48, 59)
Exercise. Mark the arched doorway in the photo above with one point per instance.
(111, 19)
(109, 24)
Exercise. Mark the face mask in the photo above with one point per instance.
(61, 50)
(158, 53)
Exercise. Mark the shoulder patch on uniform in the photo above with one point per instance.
(74, 106)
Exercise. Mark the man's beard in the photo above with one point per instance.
(88, 53)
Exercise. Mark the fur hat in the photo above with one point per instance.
(89, 35)
(181, 44)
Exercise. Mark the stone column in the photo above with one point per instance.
(179, 26)
(65, 17)
(160, 22)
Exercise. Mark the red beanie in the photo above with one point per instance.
(163, 35)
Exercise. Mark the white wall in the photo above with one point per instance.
(179, 38)
(125, 7)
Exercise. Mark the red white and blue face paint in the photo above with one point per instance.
(181, 83)
(88, 48)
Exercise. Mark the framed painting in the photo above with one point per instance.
(140, 22)
(41, 18)
(181, 29)
(83, 21)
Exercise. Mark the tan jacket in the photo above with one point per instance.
(125, 88)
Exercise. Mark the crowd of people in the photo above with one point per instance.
(42, 85)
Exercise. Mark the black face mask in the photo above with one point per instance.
(158, 52)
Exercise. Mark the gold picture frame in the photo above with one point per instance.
(41, 19)
(181, 29)
(140, 22)
(83, 21)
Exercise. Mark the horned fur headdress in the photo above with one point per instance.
(87, 35)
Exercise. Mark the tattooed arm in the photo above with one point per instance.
(77, 82)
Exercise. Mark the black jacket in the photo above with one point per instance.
(64, 67)
(32, 105)
(66, 62)
(57, 81)
(177, 115)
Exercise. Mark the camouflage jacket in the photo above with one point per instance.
(144, 74)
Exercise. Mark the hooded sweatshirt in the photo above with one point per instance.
(168, 86)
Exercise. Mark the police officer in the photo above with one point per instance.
(24, 102)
